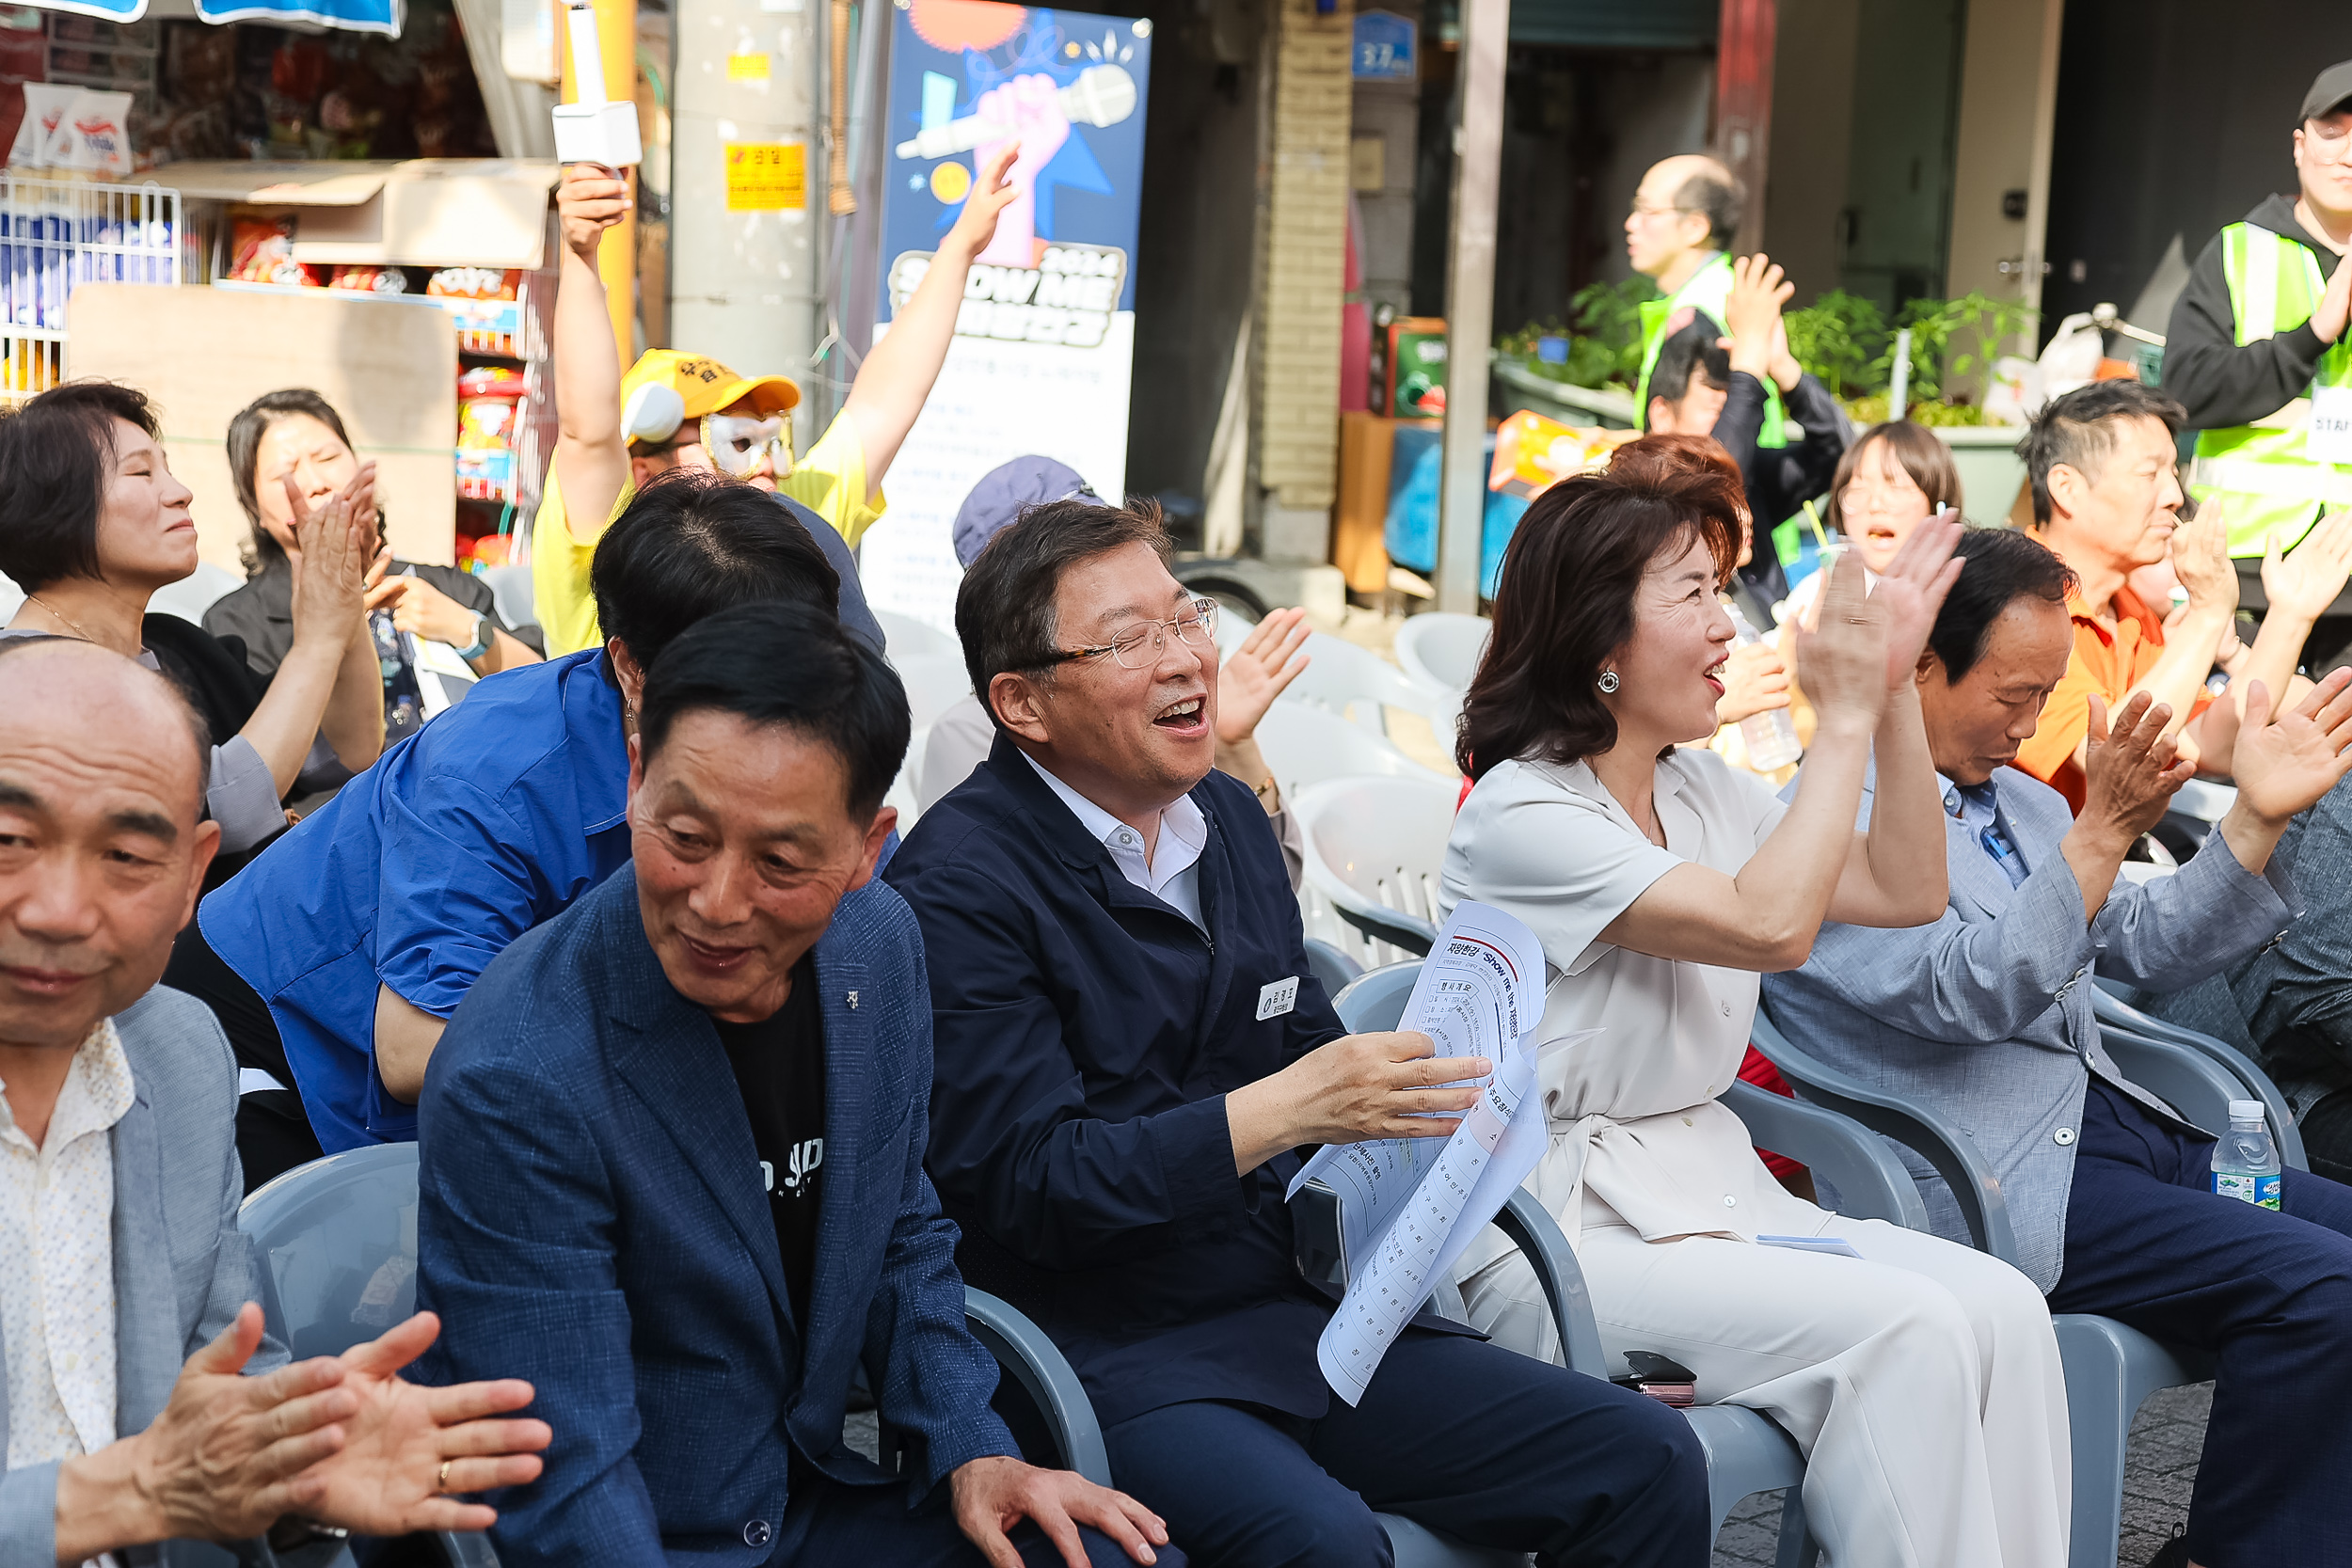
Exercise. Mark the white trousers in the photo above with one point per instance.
(1921, 1382)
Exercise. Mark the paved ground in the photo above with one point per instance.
(2160, 1467)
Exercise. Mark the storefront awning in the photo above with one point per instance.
(422, 213)
(355, 16)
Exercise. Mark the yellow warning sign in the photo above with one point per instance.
(747, 67)
(767, 177)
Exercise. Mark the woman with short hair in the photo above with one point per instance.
(1921, 1379)
(96, 523)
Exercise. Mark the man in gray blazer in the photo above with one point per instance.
(1986, 1014)
(119, 1253)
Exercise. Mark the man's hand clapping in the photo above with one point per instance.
(2132, 770)
(2304, 582)
(2201, 559)
(2283, 765)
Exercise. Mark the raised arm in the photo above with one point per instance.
(590, 456)
(897, 375)
(2300, 585)
(330, 683)
(1766, 917)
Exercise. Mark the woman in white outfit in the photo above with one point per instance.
(1921, 1379)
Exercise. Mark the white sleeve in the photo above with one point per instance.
(1559, 864)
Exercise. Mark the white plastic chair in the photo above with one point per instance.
(1374, 847)
(1305, 745)
(909, 638)
(1440, 650)
(511, 590)
(1355, 683)
(195, 594)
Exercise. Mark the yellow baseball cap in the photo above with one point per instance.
(706, 386)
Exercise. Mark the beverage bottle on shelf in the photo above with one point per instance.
(1771, 736)
(2245, 1162)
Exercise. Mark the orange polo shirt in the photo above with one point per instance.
(2108, 663)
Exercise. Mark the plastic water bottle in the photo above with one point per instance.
(2245, 1162)
(1771, 736)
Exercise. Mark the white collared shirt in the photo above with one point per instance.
(57, 1261)
(1173, 873)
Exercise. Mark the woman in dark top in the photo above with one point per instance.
(95, 524)
(291, 442)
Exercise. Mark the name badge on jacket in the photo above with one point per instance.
(1278, 998)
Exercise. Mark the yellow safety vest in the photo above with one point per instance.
(2259, 472)
(1707, 290)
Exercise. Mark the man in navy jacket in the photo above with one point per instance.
(1132, 1051)
(671, 1152)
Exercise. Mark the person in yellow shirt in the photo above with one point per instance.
(675, 409)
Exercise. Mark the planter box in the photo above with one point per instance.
(1991, 472)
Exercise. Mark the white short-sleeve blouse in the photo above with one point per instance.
(1636, 1128)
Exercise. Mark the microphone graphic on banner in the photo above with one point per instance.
(1102, 95)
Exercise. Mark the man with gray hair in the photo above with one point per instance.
(120, 1253)
(1678, 234)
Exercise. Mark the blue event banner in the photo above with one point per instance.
(355, 16)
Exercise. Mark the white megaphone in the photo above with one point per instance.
(1102, 95)
(593, 131)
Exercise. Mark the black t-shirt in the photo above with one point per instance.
(780, 1070)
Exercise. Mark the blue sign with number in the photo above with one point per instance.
(1385, 48)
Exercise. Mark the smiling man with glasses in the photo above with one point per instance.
(1130, 1055)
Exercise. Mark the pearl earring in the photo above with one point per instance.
(1608, 681)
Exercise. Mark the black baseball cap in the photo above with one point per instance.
(2330, 91)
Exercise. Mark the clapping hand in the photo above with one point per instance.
(333, 545)
(1843, 653)
(1253, 674)
(2304, 582)
(407, 1447)
(2201, 559)
(1752, 313)
(992, 1495)
(1911, 590)
(2131, 772)
(2284, 765)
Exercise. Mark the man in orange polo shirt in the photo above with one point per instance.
(2106, 499)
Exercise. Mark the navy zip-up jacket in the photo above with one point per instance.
(1085, 1036)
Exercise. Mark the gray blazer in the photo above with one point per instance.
(1986, 1013)
(181, 1266)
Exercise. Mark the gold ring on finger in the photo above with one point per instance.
(441, 1484)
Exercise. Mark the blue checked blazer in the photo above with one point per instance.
(590, 1218)
(1986, 1013)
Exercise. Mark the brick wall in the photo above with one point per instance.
(1305, 260)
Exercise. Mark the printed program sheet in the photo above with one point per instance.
(1408, 1206)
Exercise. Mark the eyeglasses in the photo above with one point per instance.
(1139, 647)
(2329, 139)
(736, 445)
(1637, 210)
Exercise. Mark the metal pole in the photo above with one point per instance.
(1470, 299)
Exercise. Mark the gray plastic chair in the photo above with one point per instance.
(2110, 1367)
(2117, 1013)
(1330, 965)
(338, 1244)
(1747, 1453)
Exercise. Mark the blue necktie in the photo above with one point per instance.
(1990, 836)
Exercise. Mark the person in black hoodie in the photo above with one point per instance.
(1706, 385)
(2258, 354)
(96, 523)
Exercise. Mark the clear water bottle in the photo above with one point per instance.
(1771, 736)
(2245, 1162)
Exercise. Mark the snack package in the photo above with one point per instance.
(45, 107)
(263, 252)
(1532, 454)
(369, 279)
(485, 302)
(489, 399)
(97, 134)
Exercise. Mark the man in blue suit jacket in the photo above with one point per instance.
(1986, 1014)
(671, 1152)
(1132, 1051)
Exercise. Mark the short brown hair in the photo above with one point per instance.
(1005, 608)
(1915, 451)
(1564, 604)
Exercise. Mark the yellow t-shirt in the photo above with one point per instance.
(830, 482)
